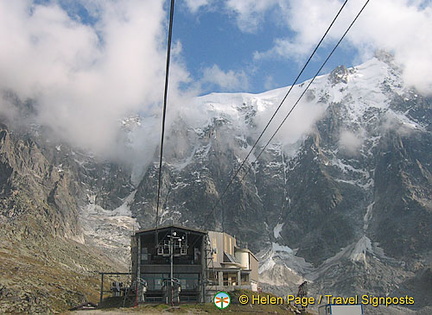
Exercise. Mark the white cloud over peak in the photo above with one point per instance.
(403, 28)
(85, 78)
(229, 80)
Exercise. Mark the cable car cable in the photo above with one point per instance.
(171, 19)
(291, 110)
(277, 110)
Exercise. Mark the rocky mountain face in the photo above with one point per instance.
(341, 197)
(346, 205)
(47, 262)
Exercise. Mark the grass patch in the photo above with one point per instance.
(210, 308)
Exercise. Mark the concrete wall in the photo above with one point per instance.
(222, 242)
(243, 258)
(217, 245)
(254, 268)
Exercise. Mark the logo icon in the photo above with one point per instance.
(222, 300)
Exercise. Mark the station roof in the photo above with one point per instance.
(172, 226)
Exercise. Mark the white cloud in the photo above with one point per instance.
(308, 20)
(269, 83)
(249, 13)
(195, 5)
(298, 124)
(85, 78)
(350, 142)
(229, 81)
(402, 27)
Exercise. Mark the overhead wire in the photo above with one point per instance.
(292, 108)
(310, 82)
(276, 111)
(170, 27)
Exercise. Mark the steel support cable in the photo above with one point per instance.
(290, 111)
(277, 109)
(168, 57)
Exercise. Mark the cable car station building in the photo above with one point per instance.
(178, 264)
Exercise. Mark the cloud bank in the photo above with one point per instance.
(85, 77)
(85, 72)
(228, 80)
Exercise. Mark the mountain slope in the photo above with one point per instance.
(349, 191)
(46, 263)
(341, 197)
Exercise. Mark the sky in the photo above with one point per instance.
(85, 64)
(230, 48)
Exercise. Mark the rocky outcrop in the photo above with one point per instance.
(46, 263)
